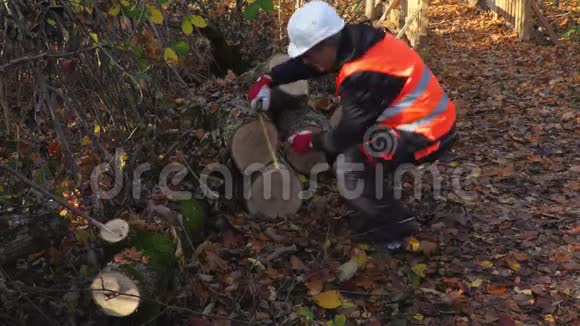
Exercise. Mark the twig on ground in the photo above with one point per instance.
(272, 235)
(281, 251)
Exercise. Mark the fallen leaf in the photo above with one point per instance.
(475, 284)
(452, 297)
(199, 133)
(427, 247)
(260, 315)
(297, 263)
(213, 108)
(306, 313)
(520, 256)
(498, 290)
(214, 262)
(360, 257)
(525, 291)
(419, 269)
(413, 245)
(419, 317)
(328, 299)
(314, 286)
(231, 75)
(347, 270)
(128, 254)
(513, 264)
(486, 264)
(550, 319)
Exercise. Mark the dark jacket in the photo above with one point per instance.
(364, 95)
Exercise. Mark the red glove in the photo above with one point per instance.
(301, 142)
(260, 92)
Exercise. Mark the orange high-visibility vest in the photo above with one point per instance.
(422, 106)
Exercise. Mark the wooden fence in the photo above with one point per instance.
(517, 13)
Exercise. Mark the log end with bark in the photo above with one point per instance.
(252, 142)
(129, 286)
(274, 192)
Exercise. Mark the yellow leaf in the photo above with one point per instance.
(549, 319)
(419, 317)
(328, 299)
(327, 244)
(123, 159)
(514, 265)
(486, 264)
(413, 245)
(186, 26)
(170, 56)
(97, 128)
(360, 258)
(86, 141)
(453, 164)
(475, 284)
(125, 2)
(95, 37)
(419, 269)
(363, 246)
(115, 9)
(155, 15)
(197, 21)
(302, 178)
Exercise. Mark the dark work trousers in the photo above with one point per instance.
(380, 217)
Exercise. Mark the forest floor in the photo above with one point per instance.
(498, 244)
(502, 248)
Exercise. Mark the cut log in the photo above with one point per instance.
(290, 113)
(21, 235)
(131, 284)
(272, 192)
(299, 118)
(249, 140)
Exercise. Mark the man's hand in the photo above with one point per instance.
(301, 142)
(260, 92)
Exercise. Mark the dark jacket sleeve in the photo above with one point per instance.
(364, 96)
(291, 71)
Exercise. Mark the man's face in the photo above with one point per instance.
(321, 57)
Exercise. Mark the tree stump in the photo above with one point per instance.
(128, 285)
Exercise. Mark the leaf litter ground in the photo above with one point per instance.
(505, 252)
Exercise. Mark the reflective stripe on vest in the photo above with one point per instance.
(422, 106)
(408, 100)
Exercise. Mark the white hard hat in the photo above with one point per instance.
(311, 24)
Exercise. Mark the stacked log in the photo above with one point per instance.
(291, 114)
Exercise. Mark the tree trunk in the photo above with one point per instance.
(23, 235)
